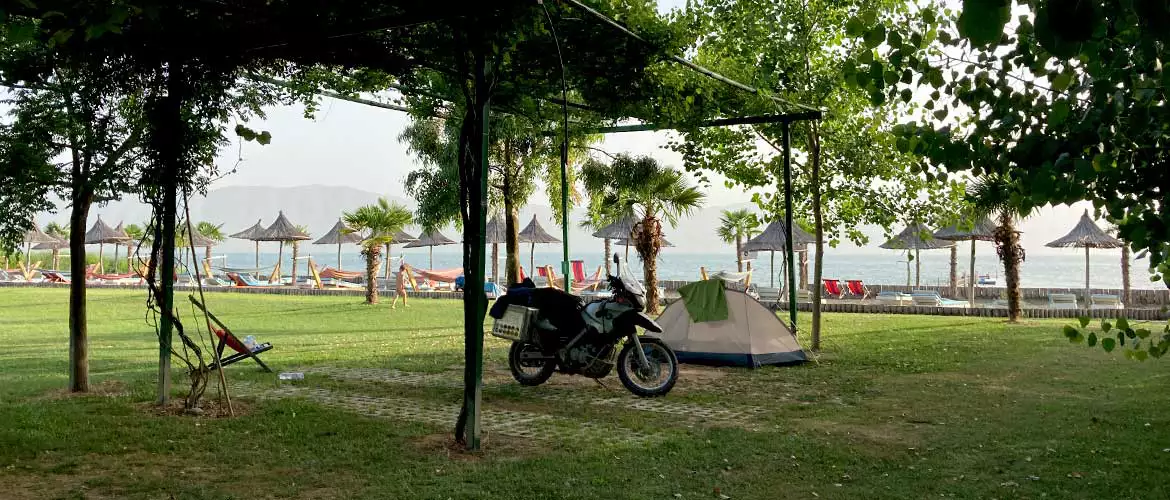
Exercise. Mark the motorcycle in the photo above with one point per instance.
(552, 330)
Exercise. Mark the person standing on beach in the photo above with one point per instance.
(400, 286)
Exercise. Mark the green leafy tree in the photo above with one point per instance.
(653, 194)
(77, 131)
(377, 223)
(734, 227)
(522, 153)
(847, 171)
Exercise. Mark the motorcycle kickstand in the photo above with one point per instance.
(603, 386)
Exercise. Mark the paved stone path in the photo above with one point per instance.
(519, 424)
(727, 413)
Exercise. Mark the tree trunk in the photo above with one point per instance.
(649, 241)
(296, 250)
(495, 263)
(1008, 245)
(608, 256)
(206, 256)
(738, 253)
(56, 259)
(1125, 273)
(819, 226)
(371, 252)
(78, 331)
(511, 238)
(955, 270)
(803, 266)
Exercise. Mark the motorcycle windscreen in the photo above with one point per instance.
(630, 281)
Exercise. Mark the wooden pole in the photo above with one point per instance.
(971, 277)
(1086, 276)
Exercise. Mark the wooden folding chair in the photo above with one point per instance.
(229, 339)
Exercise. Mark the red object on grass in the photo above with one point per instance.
(231, 341)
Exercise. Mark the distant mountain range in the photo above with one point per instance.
(318, 207)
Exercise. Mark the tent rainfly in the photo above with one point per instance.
(982, 230)
(339, 234)
(916, 237)
(1086, 235)
(773, 239)
(533, 233)
(751, 336)
(430, 240)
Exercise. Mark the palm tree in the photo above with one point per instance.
(377, 223)
(993, 196)
(652, 193)
(736, 226)
(215, 233)
(139, 237)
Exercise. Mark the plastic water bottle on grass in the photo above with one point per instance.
(291, 376)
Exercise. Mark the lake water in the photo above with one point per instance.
(1044, 270)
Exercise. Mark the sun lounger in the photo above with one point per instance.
(833, 288)
(768, 295)
(1105, 301)
(932, 299)
(1062, 301)
(895, 298)
(857, 289)
(245, 280)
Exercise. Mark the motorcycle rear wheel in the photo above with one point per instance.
(529, 373)
(661, 376)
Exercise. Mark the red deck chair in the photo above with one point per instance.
(833, 288)
(857, 289)
(578, 269)
(542, 272)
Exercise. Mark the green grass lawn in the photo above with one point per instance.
(896, 407)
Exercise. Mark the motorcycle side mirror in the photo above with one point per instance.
(617, 260)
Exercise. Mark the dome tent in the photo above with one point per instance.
(751, 336)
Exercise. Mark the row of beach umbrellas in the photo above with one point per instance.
(1086, 234)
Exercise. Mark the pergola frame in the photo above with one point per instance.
(300, 38)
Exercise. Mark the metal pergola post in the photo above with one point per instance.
(790, 264)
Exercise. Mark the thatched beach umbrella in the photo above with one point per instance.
(495, 234)
(622, 230)
(337, 235)
(198, 240)
(253, 234)
(282, 230)
(1086, 235)
(774, 239)
(55, 246)
(99, 235)
(983, 230)
(533, 233)
(32, 237)
(431, 239)
(400, 237)
(915, 237)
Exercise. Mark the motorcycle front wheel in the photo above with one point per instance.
(655, 380)
(529, 372)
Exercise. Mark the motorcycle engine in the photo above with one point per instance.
(592, 360)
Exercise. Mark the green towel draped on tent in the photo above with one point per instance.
(705, 300)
